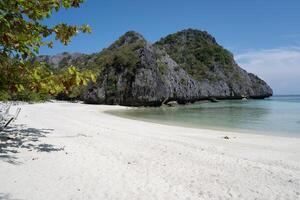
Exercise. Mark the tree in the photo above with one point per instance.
(21, 28)
(22, 33)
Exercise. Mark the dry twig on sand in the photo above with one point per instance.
(5, 117)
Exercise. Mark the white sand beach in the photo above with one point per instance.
(75, 151)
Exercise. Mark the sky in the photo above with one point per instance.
(263, 35)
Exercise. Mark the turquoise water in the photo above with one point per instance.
(279, 115)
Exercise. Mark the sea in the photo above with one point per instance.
(278, 115)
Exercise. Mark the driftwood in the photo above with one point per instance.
(5, 117)
(7, 123)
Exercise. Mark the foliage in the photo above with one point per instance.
(131, 38)
(162, 67)
(4, 95)
(22, 33)
(114, 61)
(119, 58)
(122, 58)
(21, 28)
(38, 82)
(197, 52)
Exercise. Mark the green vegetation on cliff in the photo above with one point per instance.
(197, 52)
(120, 58)
(121, 55)
(186, 66)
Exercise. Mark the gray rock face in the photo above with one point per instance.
(185, 67)
(60, 60)
(212, 66)
(65, 60)
(158, 78)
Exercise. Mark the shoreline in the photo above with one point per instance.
(248, 132)
(77, 151)
(114, 112)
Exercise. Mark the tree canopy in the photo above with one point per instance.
(22, 33)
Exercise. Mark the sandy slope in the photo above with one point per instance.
(76, 151)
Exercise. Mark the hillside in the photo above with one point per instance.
(135, 73)
(185, 66)
(210, 64)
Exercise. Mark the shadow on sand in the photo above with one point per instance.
(4, 196)
(19, 137)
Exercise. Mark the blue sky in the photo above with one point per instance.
(264, 35)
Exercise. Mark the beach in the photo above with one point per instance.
(61, 150)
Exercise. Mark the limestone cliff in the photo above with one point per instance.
(186, 66)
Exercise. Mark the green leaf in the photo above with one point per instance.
(20, 87)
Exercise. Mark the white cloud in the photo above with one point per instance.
(279, 67)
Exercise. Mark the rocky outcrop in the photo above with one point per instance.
(185, 67)
(212, 66)
(154, 78)
(157, 77)
(65, 59)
